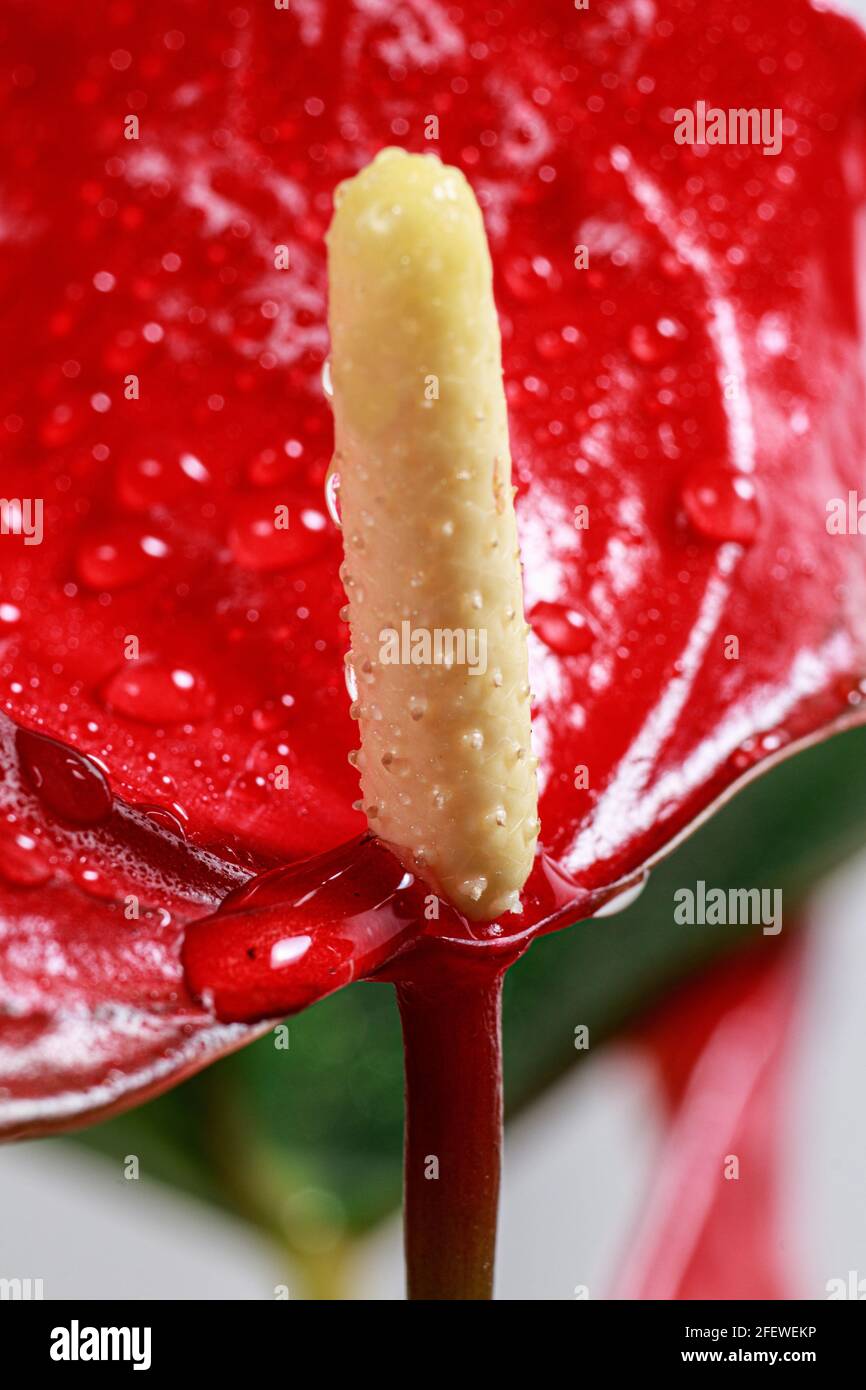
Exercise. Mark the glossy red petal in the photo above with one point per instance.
(686, 399)
(94, 1010)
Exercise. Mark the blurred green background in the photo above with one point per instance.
(305, 1141)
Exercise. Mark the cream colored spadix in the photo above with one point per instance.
(432, 569)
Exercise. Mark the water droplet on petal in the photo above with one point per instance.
(269, 533)
(165, 819)
(158, 694)
(720, 504)
(656, 343)
(564, 630)
(746, 755)
(93, 881)
(296, 933)
(142, 483)
(21, 860)
(268, 468)
(119, 556)
(69, 783)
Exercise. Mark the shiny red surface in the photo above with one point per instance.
(698, 389)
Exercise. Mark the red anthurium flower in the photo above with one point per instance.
(684, 373)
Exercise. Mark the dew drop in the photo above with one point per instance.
(745, 756)
(93, 882)
(720, 504)
(269, 716)
(69, 783)
(157, 694)
(332, 496)
(327, 382)
(657, 343)
(165, 819)
(119, 556)
(193, 468)
(351, 680)
(848, 690)
(21, 860)
(268, 468)
(259, 543)
(268, 755)
(142, 483)
(564, 630)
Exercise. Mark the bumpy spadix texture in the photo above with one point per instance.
(432, 566)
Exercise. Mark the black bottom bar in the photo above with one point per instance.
(251, 1340)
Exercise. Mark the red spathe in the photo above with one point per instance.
(683, 366)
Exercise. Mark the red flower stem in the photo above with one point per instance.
(452, 1038)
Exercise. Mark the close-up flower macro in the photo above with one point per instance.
(433, 658)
